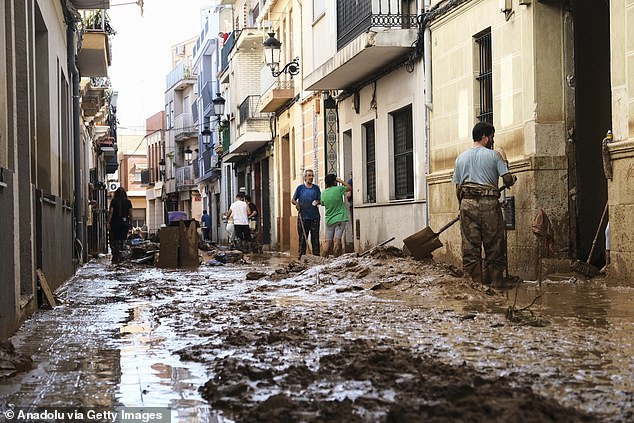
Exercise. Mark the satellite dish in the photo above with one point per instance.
(113, 186)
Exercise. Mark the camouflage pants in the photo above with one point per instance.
(481, 224)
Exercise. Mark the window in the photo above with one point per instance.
(370, 162)
(138, 218)
(403, 150)
(319, 8)
(484, 79)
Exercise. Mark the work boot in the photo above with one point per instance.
(497, 277)
(475, 273)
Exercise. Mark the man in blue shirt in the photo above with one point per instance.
(205, 221)
(306, 199)
(476, 176)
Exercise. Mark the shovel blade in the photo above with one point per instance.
(422, 243)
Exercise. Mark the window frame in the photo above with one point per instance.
(406, 154)
(369, 170)
(484, 75)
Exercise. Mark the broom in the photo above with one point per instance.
(586, 268)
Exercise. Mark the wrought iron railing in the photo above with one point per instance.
(248, 109)
(230, 42)
(356, 17)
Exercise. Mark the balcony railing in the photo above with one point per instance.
(354, 18)
(207, 95)
(207, 162)
(249, 109)
(181, 72)
(226, 50)
(185, 177)
(184, 127)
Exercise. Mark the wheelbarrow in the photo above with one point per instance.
(422, 243)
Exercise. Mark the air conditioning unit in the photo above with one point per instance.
(113, 186)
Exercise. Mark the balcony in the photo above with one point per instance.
(248, 46)
(94, 56)
(370, 36)
(209, 167)
(94, 96)
(276, 92)
(107, 147)
(253, 130)
(94, 53)
(185, 177)
(226, 50)
(180, 77)
(184, 127)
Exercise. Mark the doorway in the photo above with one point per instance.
(592, 119)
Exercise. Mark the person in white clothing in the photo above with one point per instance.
(240, 212)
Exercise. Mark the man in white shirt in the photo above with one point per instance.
(240, 212)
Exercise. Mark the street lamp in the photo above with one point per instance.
(206, 133)
(188, 155)
(219, 105)
(272, 51)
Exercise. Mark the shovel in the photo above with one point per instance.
(422, 243)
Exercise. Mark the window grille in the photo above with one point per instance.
(403, 154)
(370, 163)
(485, 76)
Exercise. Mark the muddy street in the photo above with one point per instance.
(378, 338)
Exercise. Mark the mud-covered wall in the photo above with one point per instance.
(9, 292)
(57, 240)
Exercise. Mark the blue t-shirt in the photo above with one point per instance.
(479, 165)
(305, 197)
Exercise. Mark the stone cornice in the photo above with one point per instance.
(515, 166)
(621, 149)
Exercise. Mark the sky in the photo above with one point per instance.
(141, 54)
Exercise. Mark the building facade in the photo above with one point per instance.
(46, 145)
(528, 69)
(360, 58)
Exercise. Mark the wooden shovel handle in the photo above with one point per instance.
(448, 225)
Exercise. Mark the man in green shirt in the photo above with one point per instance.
(333, 199)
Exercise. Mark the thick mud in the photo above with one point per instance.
(377, 338)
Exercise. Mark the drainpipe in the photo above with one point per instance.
(428, 100)
(77, 162)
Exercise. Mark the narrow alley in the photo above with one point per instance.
(375, 338)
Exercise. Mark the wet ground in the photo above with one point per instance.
(379, 338)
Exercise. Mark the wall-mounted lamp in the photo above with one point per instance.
(219, 105)
(188, 155)
(206, 133)
(272, 51)
(506, 7)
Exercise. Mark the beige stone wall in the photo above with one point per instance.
(621, 187)
(529, 115)
(621, 199)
